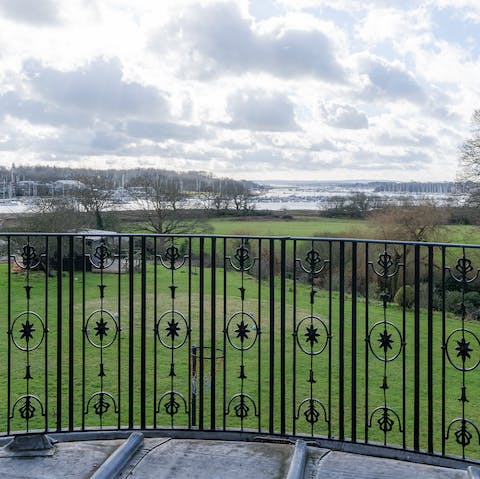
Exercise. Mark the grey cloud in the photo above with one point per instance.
(108, 141)
(234, 145)
(414, 139)
(34, 12)
(344, 116)
(259, 110)
(390, 81)
(164, 131)
(97, 88)
(262, 157)
(227, 42)
(38, 112)
(369, 160)
(324, 145)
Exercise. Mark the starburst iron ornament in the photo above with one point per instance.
(463, 349)
(242, 330)
(27, 330)
(385, 341)
(172, 329)
(101, 328)
(312, 335)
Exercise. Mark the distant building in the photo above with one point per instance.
(68, 185)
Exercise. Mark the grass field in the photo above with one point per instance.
(300, 226)
(313, 225)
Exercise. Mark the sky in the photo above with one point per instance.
(256, 90)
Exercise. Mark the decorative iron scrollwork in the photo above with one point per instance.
(106, 328)
(101, 405)
(312, 412)
(172, 329)
(101, 329)
(463, 350)
(30, 258)
(464, 268)
(312, 335)
(171, 405)
(240, 405)
(245, 335)
(385, 421)
(28, 331)
(312, 260)
(387, 267)
(463, 436)
(27, 409)
(170, 258)
(102, 257)
(384, 340)
(242, 256)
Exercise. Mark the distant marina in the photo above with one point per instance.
(278, 196)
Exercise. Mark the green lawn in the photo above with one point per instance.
(300, 226)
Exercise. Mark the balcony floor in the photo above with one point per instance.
(186, 458)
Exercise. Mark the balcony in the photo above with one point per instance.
(364, 346)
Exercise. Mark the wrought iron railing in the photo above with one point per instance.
(364, 342)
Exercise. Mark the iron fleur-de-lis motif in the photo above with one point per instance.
(172, 254)
(243, 259)
(312, 259)
(101, 405)
(241, 408)
(314, 263)
(172, 406)
(385, 422)
(462, 435)
(29, 257)
(27, 411)
(172, 258)
(242, 255)
(385, 262)
(464, 266)
(311, 413)
(101, 255)
(387, 267)
(465, 270)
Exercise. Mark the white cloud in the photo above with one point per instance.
(97, 87)
(34, 12)
(216, 39)
(260, 110)
(344, 116)
(389, 80)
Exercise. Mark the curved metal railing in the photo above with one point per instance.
(355, 341)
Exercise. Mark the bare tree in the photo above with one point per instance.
(54, 215)
(162, 198)
(470, 162)
(410, 222)
(95, 197)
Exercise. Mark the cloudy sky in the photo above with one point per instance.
(259, 89)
